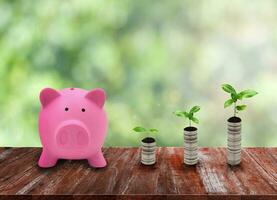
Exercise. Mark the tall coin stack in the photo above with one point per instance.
(148, 151)
(190, 146)
(234, 143)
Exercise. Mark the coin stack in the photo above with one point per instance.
(234, 143)
(148, 151)
(190, 146)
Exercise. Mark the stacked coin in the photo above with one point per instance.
(234, 143)
(190, 146)
(148, 151)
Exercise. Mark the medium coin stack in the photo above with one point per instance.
(190, 146)
(148, 151)
(234, 143)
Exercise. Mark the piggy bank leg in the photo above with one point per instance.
(47, 160)
(97, 160)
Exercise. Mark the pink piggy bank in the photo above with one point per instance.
(72, 125)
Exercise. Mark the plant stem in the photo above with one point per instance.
(235, 104)
(190, 123)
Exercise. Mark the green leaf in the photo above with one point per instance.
(241, 107)
(153, 130)
(179, 113)
(139, 129)
(195, 120)
(186, 114)
(190, 115)
(228, 103)
(240, 96)
(234, 97)
(228, 88)
(247, 94)
(195, 109)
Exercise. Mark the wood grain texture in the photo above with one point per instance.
(125, 177)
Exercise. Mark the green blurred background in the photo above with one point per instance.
(152, 57)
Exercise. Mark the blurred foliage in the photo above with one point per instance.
(152, 57)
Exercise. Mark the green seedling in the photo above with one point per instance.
(189, 115)
(235, 96)
(146, 132)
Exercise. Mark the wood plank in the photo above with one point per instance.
(180, 178)
(253, 176)
(102, 181)
(63, 178)
(143, 179)
(212, 174)
(267, 159)
(266, 163)
(125, 176)
(220, 178)
(139, 197)
(20, 172)
(8, 155)
(120, 166)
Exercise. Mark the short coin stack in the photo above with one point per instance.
(148, 151)
(190, 146)
(234, 143)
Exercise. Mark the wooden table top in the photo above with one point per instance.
(124, 177)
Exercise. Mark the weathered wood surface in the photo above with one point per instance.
(211, 178)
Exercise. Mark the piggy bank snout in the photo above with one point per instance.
(72, 135)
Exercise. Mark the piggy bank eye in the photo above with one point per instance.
(66, 109)
(83, 110)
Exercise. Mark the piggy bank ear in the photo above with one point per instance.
(47, 95)
(98, 96)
